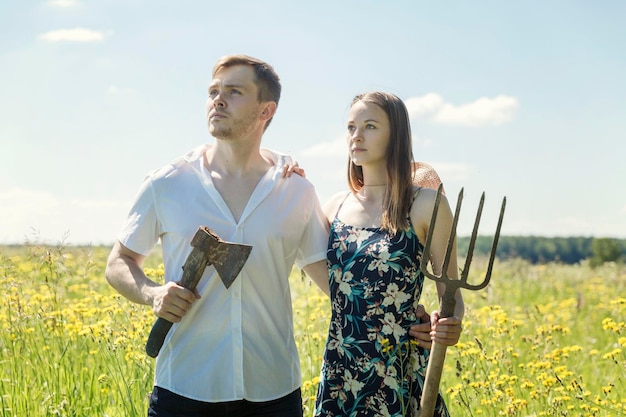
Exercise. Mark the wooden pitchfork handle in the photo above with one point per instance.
(448, 301)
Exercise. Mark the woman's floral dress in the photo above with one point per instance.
(370, 366)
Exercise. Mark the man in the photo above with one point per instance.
(231, 351)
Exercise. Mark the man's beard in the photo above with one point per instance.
(234, 128)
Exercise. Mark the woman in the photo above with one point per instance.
(373, 363)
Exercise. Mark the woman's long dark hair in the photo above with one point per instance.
(399, 191)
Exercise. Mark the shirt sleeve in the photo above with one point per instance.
(140, 233)
(314, 241)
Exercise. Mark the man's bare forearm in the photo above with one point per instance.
(318, 272)
(124, 273)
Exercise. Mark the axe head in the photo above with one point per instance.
(228, 258)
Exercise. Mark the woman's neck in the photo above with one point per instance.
(372, 193)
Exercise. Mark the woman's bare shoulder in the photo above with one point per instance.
(331, 206)
(424, 203)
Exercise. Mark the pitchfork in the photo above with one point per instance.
(448, 302)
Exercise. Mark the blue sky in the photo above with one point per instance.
(525, 100)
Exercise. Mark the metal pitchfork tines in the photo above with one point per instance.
(448, 302)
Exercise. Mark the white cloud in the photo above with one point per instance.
(27, 214)
(484, 111)
(324, 164)
(450, 171)
(424, 107)
(553, 226)
(63, 3)
(426, 142)
(115, 90)
(325, 149)
(73, 35)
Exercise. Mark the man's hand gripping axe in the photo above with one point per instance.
(208, 249)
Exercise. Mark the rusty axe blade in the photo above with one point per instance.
(208, 249)
(228, 259)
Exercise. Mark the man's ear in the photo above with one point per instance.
(269, 110)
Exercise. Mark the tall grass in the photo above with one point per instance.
(69, 345)
(545, 340)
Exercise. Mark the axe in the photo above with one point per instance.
(208, 249)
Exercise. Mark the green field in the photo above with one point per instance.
(541, 340)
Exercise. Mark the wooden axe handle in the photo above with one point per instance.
(159, 332)
(193, 269)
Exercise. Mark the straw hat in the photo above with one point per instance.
(425, 176)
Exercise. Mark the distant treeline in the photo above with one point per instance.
(537, 249)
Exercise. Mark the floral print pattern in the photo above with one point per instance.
(370, 366)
